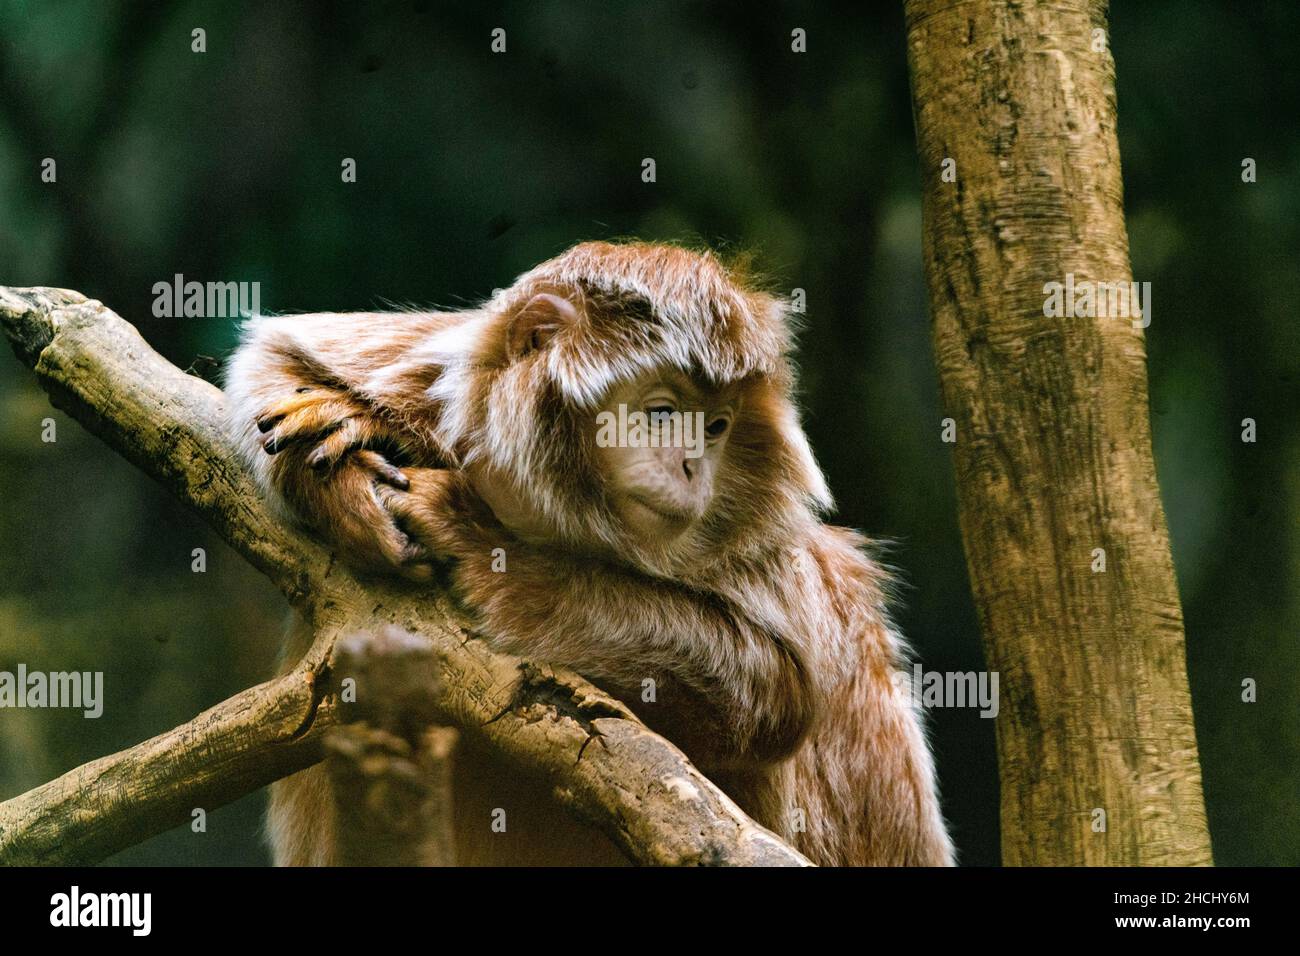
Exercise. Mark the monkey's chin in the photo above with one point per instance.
(653, 522)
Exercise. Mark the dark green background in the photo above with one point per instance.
(474, 166)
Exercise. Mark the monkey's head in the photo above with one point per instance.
(633, 399)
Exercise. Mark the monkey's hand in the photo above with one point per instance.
(323, 464)
(438, 510)
(330, 422)
(346, 506)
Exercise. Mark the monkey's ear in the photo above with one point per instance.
(534, 325)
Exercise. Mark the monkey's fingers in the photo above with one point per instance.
(402, 550)
(351, 513)
(310, 422)
(388, 548)
(353, 435)
(303, 397)
(407, 556)
(412, 516)
(380, 468)
(412, 560)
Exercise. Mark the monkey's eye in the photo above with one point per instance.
(658, 408)
(718, 427)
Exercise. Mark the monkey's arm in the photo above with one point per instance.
(309, 394)
(727, 690)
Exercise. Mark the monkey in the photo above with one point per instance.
(411, 441)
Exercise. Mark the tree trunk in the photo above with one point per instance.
(1096, 747)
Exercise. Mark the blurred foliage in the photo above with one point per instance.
(472, 167)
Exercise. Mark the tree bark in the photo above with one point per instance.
(603, 764)
(1053, 445)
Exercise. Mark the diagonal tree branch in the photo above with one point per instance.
(634, 786)
(114, 802)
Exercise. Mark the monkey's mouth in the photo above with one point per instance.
(670, 515)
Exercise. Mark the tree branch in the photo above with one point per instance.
(633, 785)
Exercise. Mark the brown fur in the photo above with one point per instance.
(765, 631)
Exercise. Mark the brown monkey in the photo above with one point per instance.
(409, 438)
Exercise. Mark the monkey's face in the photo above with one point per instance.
(660, 469)
(659, 445)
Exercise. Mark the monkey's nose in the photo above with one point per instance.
(689, 467)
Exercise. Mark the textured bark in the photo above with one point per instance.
(1053, 451)
(602, 763)
(104, 806)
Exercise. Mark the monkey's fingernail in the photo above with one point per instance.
(269, 446)
(317, 461)
(394, 477)
(304, 388)
(266, 423)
